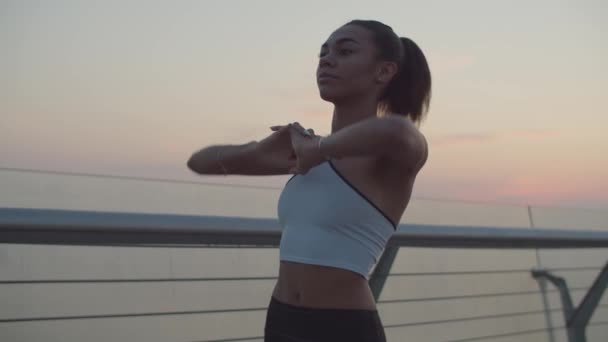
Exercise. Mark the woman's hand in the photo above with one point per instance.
(306, 147)
(277, 150)
(306, 132)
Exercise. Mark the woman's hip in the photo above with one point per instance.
(290, 323)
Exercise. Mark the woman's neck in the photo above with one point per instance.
(352, 112)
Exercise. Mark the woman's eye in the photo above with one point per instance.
(342, 52)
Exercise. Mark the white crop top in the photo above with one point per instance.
(327, 221)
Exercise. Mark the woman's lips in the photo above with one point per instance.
(326, 77)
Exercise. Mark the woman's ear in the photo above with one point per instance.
(386, 72)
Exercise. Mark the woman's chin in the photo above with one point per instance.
(328, 95)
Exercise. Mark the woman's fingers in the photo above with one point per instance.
(307, 132)
(298, 126)
(301, 129)
(300, 132)
(281, 128)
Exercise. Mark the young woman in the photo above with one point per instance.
(349, 189)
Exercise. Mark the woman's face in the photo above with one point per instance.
(348, 64)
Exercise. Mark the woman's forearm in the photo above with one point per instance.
(205, 161)
(374, 136)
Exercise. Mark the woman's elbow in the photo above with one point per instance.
(190, 164)
(194, 163)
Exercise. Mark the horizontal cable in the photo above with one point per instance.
(181, 181)
(173, 313)
(598, 323)
(471, 318)
(481, 295)
(515, 333)
(58, 281)
(584, 268)
(388, 301)
(148, 280)
(408, 274)
(404, 300)
(261, 338)
(522, 332)
(155, 245)
(146, 179)
(167, 313)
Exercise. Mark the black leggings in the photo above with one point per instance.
(291, 323)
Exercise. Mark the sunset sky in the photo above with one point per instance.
(132, 88)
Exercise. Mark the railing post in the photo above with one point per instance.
(581, 316)
(577, 318)
(378, 278)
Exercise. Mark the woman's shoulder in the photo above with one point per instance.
(424, 147)
(420, 150)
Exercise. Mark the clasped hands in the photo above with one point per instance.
(305, 146)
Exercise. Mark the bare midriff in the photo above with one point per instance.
(317, 286)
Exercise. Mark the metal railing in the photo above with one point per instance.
(67, 227)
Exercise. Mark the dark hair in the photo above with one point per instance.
(409, 92)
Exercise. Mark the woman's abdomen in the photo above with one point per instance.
(322, 287)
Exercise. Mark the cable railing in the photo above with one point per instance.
(94, 228)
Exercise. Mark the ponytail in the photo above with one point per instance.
(409, 92)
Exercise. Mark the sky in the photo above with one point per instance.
(133, 88)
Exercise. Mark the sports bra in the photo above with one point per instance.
(327, 221)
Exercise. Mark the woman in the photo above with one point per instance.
(349, 189)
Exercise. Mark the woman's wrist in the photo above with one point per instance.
(320, 148)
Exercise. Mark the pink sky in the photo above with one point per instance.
(518, 112)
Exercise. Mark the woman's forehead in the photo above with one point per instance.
(352, 33)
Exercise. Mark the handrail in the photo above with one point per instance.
(51, 226)
(71, 227)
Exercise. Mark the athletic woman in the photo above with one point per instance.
(349, 189)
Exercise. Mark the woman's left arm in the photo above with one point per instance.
(391, 136)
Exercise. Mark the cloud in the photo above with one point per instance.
(476, 138)
(526, 189)
(463, 138)
(529, 134)
(554, 189)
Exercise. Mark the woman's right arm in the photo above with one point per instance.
(246, 159)
(272, 155)
(233, 157)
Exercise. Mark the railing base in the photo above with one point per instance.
(576, 318)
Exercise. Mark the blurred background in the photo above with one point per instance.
(103, 102)
(133, 88)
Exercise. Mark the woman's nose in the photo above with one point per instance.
(326, 60)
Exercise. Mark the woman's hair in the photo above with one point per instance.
(409, 92)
